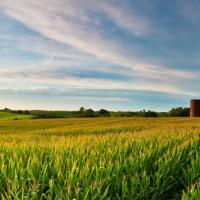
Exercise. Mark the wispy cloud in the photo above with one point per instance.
(117, 99)
(128, 18)
(104, 78)
(97, 44)
(79, 29)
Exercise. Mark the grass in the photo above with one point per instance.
(104, 158)
(15, 116)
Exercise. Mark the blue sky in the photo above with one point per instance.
(119, 55)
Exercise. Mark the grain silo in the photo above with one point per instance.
(195, 108)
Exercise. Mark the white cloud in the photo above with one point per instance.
(81, 36)
(63, 77)
(126, 17)
(72, 26)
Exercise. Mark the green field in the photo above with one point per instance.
(100, 158)
(9, 115)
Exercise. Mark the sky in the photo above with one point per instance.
(112, 54)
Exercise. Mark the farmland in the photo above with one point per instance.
(100, 158)
(8, 115)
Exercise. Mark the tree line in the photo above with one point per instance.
(82, 112)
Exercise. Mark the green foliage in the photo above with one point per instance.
(179, 112)
(14, 116)
(40, 114)
(89, 113)
(148, 113)
(101, 158)
(103, 113)
(142, 113)
(82, 113)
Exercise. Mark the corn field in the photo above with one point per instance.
(104, 158)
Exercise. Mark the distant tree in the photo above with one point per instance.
(179, 112)
(163, 114)
(103, 113)
(150, 113)
(89, 113)
(7, 110)
(27, 112)
(82, 109)
(19, 111)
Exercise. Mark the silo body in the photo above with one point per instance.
(195, 108)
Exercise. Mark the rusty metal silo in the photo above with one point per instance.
(195, 108)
